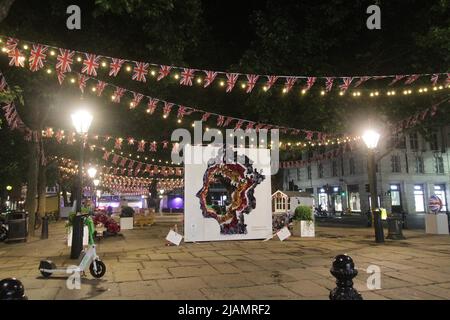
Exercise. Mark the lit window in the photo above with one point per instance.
(419, 201)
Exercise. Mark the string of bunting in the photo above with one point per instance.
(185, 76)
(71, 137)
(394, 129)
(221, 120)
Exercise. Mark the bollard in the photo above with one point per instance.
(12, 289)
(395, 228)
(343, 269)
(44, 230)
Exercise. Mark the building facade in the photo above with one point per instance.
(410, 169)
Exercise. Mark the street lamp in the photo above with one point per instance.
(81, 120)
(371, 138)
(92, 172)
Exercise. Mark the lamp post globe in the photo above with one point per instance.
(371, 138)
(92, 172)
(81, 120)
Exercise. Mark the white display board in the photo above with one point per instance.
(199, 225)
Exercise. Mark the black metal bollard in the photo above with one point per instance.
(44, 230)
(395, 228)
(343, 269)
(12, 289)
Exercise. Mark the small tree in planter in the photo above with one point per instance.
(303, 224)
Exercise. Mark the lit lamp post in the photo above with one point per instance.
(371, 138)
(81, 121)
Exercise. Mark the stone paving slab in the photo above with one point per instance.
(141, 266)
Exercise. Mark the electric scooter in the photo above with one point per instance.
(90, 259)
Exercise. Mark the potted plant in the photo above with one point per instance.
(303, 223)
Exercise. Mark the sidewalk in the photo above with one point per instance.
(140, 266)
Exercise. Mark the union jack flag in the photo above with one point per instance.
(167, 108)
(11, 44)
(238, 124)
(138, 167)
(123, 162)
(163, 72)
(361, 81)
(131, 164)
(59, 135)
(309, 135)
(182, 111)
(151, 105)
(309, 83)
(231, 81)
(115, 66)
(249, 125)
(137, 97)
(252, 78)
(434, 79)
(328, 83)
(210, 76)
(433, 111)
(100, 87)
(346, 81)
(106, 155)
(37, 57)
(412, 78)
(118, 143)
(90, 64)
(61, 76)
(271, 81)
(64, 60)
(82, 79)
(141, 146)
(397, 78)
(117, 95)
(3, 84)
(140, 71)
(186, 77)
(220, 120)
(205, 116)
(228, 121)
(17, 59)
(290, 81)
(148, 168)
(153, 146)
(259, 126)
(165, 144)
(115, 159)
(423, 115)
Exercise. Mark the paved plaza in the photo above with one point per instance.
(140, 266)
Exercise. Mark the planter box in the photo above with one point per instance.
(303, 229)
(436, 223)
(85, 236)
(126, 223)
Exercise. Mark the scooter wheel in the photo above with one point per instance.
(101, 269)
(46, 265)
